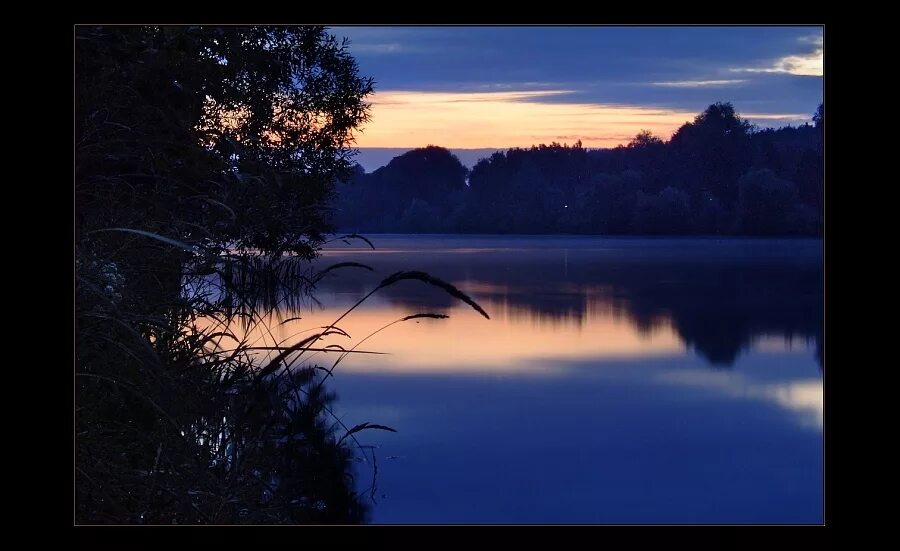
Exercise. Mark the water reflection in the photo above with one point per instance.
(510, 342)
(717, 296)
(803, 396)
(597, 391)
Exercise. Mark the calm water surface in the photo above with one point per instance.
(617, 381)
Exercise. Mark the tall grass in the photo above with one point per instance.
(183, 417)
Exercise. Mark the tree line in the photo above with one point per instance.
(716, 175)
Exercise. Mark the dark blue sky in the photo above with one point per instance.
(603, 64)
(772, 75)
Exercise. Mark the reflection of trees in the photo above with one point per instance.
(719, 298)
(820, 350)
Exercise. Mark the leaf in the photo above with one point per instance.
(295, 318)
(432, 316)
(340, 265)
(365, 426)
(356, 236)
(302, 345)
(431, 280)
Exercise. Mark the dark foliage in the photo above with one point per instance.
(198, 150)
(708, 179)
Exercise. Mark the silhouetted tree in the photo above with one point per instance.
(819, 116)
(819, 120)
(645, 139)
(688, 185)
(206, 145)
(430, 176)
(666, 212)
(765, 203)
(713, 151)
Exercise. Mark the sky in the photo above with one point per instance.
(491, 88)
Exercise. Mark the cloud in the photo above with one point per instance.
(389, 48)
(816, 39)
(515, 118)
(776, 119)
(386, 48)
(775, 116)
(699, 83)
(515, 85)
(806, 64)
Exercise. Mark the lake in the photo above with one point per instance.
(618, 380)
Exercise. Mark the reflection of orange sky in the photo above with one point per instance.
(506, 119)
(511, 341)
(518, 338)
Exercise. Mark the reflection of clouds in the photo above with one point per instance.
(804, 397)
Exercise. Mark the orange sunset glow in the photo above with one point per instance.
(513, 119)
(506, 119)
